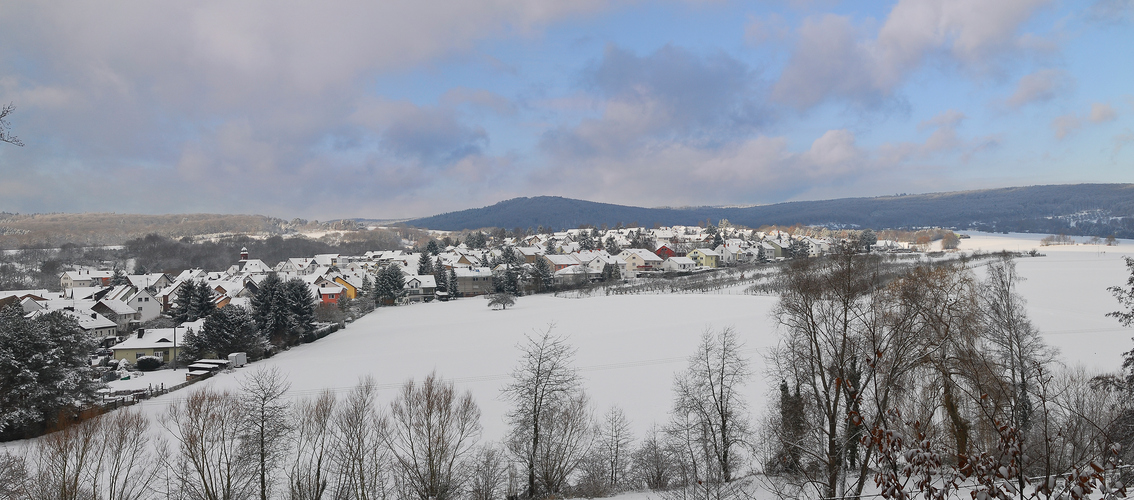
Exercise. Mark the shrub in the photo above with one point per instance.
(149, 363)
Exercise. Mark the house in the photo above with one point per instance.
(125, 317)
(665, 251)
(330, 294)
(162, 343)
(94, 324)
(529, 254)
(419, 288)
(152, 281)
(638, 259)
(573, 275)
(560, 262)
(350, 285)
(678, 264)
(85, 278)
(769, 250)
(473, 281)
(705, 257)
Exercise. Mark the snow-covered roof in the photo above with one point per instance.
(642, 253)
(154, 338)
(683, 261)
(424, 281)
(255, 266)
(118, 306)
(468, 272)
(145, 280)
(87, 275)
(562, 260)
(90, 320)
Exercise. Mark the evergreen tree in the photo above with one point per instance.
(231, 329)
(194, 301)
(611, 246)
(868, 239)
(452, 284)
(440, 276)
(511, 282)
(202, 303)
(367, 289)
(424, 265)
(390, 283)
(44, 370)
(543, 275)
(586, 240)
(269, 310)
(431, 248)
(119, 278)
(549, 248)
(301, 305)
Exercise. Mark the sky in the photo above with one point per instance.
(404, 108)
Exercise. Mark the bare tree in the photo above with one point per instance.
(266, 424)
(489, 473)
(709, 393)
(208, 464)
(361, 457)
(652, 463)
(432, 429)
(130, 464)
(13, 474)
(67, 462)
(6, 128)
(567, 435)
(542, 383)
(614, 440)
(310, 470)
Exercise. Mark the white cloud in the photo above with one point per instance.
(1041, 86)
(1102, 112)
(1065, 125)
(835, 59)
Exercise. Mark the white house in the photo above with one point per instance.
(678, 264)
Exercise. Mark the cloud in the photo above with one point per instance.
(1065, 125)
(1111, 12)
(1120, 141)
(836, 59)
(671, 94)
(216, 97)
(1041, 86)
(762, 29)
(1102, 112)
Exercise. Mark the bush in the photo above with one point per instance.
(149, 363)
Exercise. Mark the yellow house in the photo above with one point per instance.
(158, 342)
(705, 257)
(348, 289)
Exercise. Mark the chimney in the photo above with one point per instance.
(141, 333)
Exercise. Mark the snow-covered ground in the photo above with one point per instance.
(149, 380)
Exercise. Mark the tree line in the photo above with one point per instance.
(933, 383)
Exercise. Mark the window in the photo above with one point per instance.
(138, 355)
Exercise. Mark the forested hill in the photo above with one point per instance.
(1081, 209)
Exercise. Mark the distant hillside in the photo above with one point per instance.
(1082, 209)
(52, 230)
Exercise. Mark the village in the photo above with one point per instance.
(114, 307)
